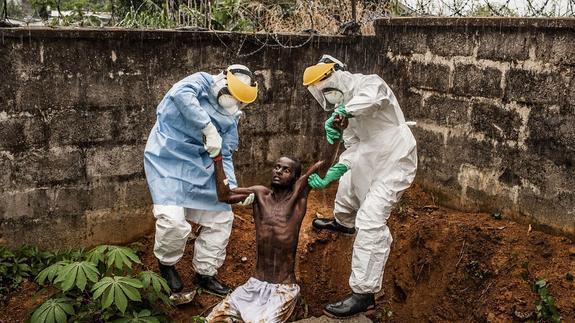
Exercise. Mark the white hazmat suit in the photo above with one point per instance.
(381, 158)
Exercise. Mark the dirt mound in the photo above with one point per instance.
(444, 266)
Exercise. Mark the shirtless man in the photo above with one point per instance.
(271, 294)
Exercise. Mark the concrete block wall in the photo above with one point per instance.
(493, 99)
(76, 107)
(495, 104)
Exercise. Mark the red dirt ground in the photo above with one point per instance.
(445, 266)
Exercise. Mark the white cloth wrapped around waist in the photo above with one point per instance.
(257, 301)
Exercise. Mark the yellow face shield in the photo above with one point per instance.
(317, 72)
(243, 92)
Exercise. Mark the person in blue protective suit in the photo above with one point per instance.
(196, 120)
(379, 163)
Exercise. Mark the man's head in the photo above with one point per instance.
(285, 172)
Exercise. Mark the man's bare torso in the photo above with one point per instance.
(278, 220)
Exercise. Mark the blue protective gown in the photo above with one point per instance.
(178, 169)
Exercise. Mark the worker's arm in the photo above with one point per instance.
(331, 170)
(330, 151)
(225, 193)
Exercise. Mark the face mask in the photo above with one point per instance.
(333, 96)
(229, 103)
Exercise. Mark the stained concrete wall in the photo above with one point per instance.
(495, 105)
(493, 100)
(76, 107)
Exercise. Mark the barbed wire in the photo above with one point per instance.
(309, 16)
(503, 8)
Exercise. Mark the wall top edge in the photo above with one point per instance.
(473, 22)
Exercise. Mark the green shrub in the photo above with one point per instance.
(20, 264)
(101, 285)
(545, 308)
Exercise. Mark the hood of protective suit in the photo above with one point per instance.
(234, 88)
(334, 90)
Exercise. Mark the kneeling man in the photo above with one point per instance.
(271, 294)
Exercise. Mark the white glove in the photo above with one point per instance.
(212, 140)
(249, 200)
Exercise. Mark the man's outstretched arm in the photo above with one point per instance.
(225, 193)
(301, 185)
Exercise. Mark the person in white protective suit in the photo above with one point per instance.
(379, 163)
(196, 120)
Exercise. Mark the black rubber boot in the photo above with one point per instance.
(351, 305)
(170, 274)
(331, 224)
(211, 284)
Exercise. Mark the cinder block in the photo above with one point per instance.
(253, 121)
(429, 76)
(35, 132)
(16, 205)
(557, 48)
(446, 111)
(552, 135)
(394, 72)
(21, 133)
(536, 87)
(455, 42)
(104, 195)
(135, 123)
(119, 90)
(412, 105)
(33, 94)
(80, 127)
(548, 209)
(12, 134)
(429, 144)
(279, 121)
(495, 122)
(279, 146)
(503, 45)
(466, 150)
(6, 173)
(282, 86)
(115, 161)
(51, 166)
(135, 194)
(472, 80)
(68, 200)
(403, 41)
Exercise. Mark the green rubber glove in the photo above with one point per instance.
(331, 133)
(341, 111)
(334, 173)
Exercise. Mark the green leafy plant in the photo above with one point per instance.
(76, 274)
(21, 264)
(101, 285)
(116, 290)
(144, 316)
(546, 310)
(53, 310)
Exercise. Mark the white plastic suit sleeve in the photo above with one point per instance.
(351, 142)
(187, 103)
(371, 95)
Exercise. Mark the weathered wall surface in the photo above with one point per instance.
(495, 105)
(76, 108)
(494, 101)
